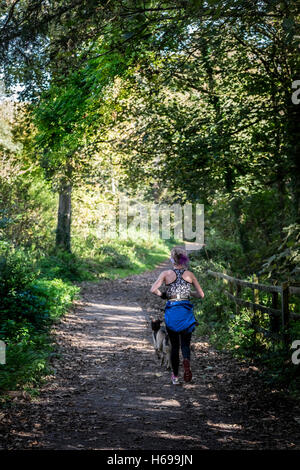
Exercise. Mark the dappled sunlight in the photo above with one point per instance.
(225, 426)
(105, 339)
(168, 435)
(161, 401)
(123, 308)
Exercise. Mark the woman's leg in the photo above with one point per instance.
(186, 353)
(185, 344)
(174, 339)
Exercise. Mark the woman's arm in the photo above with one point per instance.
(159, 281)
(199, 292)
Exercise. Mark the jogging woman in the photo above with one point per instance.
(179, 316)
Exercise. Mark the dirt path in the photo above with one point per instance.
(109, 391)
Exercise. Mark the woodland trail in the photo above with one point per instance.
(109, 391)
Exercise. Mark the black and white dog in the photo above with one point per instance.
(161, 342)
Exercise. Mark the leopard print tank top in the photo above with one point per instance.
(180, 288)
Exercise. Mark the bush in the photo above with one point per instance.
(221, 250)
(29, 305)
(17, 269)
(54, 295)
(26, 361)
(64, 265)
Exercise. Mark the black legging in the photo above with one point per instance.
(185, 340)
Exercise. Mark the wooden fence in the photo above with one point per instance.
(279, 312)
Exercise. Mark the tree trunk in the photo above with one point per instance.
(223, 145)
(63, 231)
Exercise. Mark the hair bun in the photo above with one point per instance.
(183, 259)
(179, 256)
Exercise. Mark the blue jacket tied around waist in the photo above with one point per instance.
(179, 316)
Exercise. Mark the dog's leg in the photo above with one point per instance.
(154, 336)
(168, 356)
(154, 339)
(169, 359)
(167, 351)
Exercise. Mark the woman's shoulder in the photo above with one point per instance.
(187, 271)
(189, 275)
(166, 272)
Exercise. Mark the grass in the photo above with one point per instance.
(108, 259)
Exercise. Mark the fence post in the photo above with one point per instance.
(275, 320)
(238, 291)
(255, 317)
(255, 291)
(285, 317)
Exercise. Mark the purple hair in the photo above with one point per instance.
(183, 259)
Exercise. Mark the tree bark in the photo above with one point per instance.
(63, 230)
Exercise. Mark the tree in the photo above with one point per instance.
(234, 60)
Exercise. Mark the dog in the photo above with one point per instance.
(161, 342)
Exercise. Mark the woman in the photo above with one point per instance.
(179, 316)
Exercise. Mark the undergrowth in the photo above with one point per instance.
(246, 335)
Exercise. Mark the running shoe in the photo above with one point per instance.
(187, 370)
(175, 380)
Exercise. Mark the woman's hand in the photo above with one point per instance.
(199, 292)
